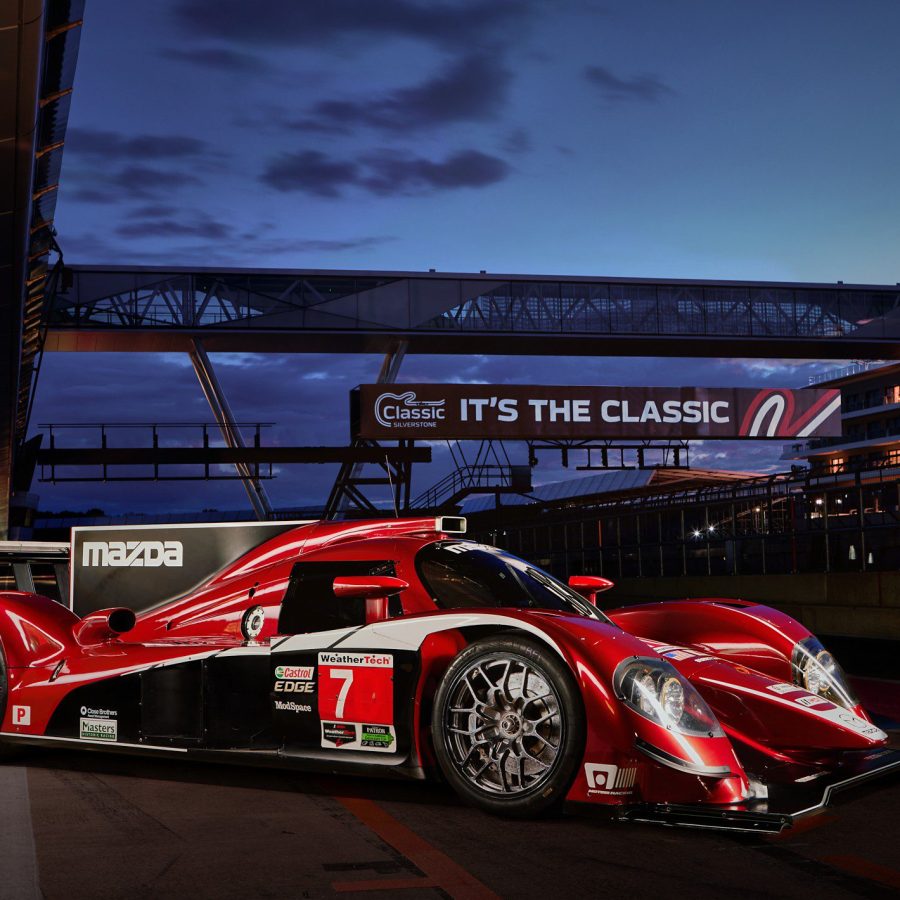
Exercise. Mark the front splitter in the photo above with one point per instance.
(785, 806)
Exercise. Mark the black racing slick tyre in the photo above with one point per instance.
(509, 727)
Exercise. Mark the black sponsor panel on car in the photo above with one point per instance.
(293, 692)
(145, 566)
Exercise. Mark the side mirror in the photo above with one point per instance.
(368, 587)
(589, 586)
(374, 589)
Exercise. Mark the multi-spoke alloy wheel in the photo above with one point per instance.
(508, 725)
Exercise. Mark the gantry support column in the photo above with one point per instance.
(345, 491)
(218, 403)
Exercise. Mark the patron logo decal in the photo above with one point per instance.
(128, 554)
(607, 779)
(403, 410)
(21, 715)
(99, 730)
(377, 737)
(303, 673)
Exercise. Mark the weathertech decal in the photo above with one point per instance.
(373, 660)
(356, 687)
(339, 734)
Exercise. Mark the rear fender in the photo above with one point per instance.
(34, 630)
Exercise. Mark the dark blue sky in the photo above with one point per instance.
(648, 138)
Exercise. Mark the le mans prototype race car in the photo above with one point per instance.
(399, 647)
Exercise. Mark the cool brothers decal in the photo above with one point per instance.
(356, 701)
(519, 412)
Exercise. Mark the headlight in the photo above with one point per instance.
(653, 688)
(815, 669)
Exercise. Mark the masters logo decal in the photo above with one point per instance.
(98, 729)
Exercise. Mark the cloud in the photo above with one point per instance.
(225, 59)
(643, 88)
(397, 174)
(383, 173)
(289, 23)
(103, 145)
(310, 172)
(472, 88)
(517, 141)
(164, 227)
(145, 182)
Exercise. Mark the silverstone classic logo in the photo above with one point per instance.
(397, 410)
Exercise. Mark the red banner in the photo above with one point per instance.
(475, 411)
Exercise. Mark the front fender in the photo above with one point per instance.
(629, 758)
(745, 633)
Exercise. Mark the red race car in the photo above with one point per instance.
(400, 648)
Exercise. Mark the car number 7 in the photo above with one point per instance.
(347, 676)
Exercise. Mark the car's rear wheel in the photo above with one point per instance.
(508, 726)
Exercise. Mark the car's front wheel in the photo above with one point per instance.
(508, 726)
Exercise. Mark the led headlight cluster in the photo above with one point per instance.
(653, 688)
(816, 670)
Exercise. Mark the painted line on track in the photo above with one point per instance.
(18, 857)
(385, 884)
(856, 865)
(440, 871)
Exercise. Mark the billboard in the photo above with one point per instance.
(517, 412)
(144, 566)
